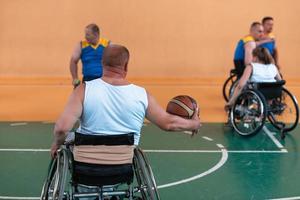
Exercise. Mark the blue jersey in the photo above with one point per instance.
(91, 57)
(270, 45)
(239, 53)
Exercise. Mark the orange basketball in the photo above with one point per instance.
(183, 106)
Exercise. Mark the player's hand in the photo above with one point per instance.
(227, 106)
(196, 117)
(54, 148)
(76, 82)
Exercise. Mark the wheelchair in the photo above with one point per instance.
(231, 82)
(68, 179)
(259, 102)
(229, 85)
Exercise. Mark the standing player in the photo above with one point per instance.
(90, 52)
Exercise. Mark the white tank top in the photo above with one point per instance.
(263, 72)
(113, 110)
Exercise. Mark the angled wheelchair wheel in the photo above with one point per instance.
(51, 172)
(54, 186)
(228, 86)
(284, 112)
(145, 176)
(248, 113)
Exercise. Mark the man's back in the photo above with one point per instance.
(111, 109)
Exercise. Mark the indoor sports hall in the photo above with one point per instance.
(177, 47)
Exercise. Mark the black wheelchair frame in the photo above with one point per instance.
(229, 85)
(261, 101)
(60, 185)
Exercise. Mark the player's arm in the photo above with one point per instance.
(263, 41)
(157, 115)
(74, 64)
(276, 57)
(249, 46)
(241, 84)
(68, 118)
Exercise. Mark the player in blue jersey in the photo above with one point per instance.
(245, 46)
(268, 41)
(89, 51)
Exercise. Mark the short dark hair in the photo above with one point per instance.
(94, 28)
(266, 19)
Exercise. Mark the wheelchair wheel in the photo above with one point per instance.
(51, 172)
(54, 185)
(248, 113)
(145, 176)
(284, 112)
(229, 86)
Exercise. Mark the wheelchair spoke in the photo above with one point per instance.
(145, 177)
(248, 113)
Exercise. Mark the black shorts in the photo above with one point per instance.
(239, 67)
(89, 78)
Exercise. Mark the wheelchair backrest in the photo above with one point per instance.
(270, 90)
(103, 159)
(104, 149)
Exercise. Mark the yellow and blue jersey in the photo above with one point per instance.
(270, 45)
(91, 57)
(239, 53)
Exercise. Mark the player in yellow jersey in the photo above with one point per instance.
(89, 51)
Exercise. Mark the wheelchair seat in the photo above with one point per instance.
(114, 169)
(100, 175)
(270, 90)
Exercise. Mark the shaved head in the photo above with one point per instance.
(115, 56)
(256, 30)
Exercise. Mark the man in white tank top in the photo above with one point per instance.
(112, 105)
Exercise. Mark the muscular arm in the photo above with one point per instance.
(249, 46)
(74, 61)
(242, 82)
(68, 118)
(157, 115)
(263, 41)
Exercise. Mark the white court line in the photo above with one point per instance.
(18, 124)
(9, 197)
(271, 135)
(287, 198)
(188, 132)
(214, 151)
(21, 150)
(166, 151)
(207, 138)
(214, 168)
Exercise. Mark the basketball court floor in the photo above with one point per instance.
(215, 164)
